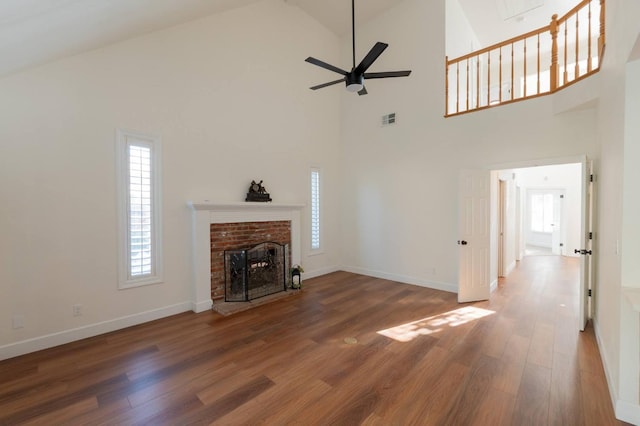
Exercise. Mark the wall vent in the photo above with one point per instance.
(389, 119)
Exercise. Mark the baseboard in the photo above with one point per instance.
(510, 268)
(628, 412)
(494, 286)
(55, 339)
(625, 411)
(613, 392)
(198, 307)
(320, 272)
(402, 278)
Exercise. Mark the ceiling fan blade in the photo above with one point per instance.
(325, 65)
(370, 75)
(363, 91)
(331, 83)
(373, 54)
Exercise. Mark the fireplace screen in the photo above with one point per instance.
(256, 272)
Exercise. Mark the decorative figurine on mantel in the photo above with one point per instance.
(257, 192)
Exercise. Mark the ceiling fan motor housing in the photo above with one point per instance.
(354, 81)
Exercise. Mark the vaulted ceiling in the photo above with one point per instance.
(33, 32)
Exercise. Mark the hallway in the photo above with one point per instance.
(563, 379)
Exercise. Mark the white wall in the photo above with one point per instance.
(229, 96)
(460, 37)
(401, 183)
(614, 323)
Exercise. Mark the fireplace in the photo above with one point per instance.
(256, 272)
(226, 237)
(209, 218)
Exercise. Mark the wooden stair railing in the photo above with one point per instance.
(502, 73)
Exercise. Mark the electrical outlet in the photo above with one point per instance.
(18, 321)
(77, 310)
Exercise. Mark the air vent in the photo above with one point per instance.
(389, 119)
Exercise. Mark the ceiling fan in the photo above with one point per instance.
(355, 78)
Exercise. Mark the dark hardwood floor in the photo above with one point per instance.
(418, 358)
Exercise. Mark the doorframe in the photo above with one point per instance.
(588, 166)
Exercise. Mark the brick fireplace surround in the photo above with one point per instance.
(239, 236)
(247, 224)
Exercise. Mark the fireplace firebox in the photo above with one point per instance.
(255, 272)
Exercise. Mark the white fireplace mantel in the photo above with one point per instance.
(205, 213)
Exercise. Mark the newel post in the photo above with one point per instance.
(554, 71)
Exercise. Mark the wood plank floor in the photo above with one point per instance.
(420, 359)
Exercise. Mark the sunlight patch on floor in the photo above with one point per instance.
(426, 326)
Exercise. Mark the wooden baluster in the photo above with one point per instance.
(457, 87)
(553, 29)
(446, 85)
(488, 78)
(500, 77)
(512, 87)
(525, 67)
(577, 67)
(478, 81)
(589, 65)
(467, 84)
(565, 74)
(538, 87)
(601, 39)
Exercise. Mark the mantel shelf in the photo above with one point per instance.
(236, 206)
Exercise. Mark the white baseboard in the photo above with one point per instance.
(319, 272)
(510, 268)
(603, 357)
(494, 286)
(628, 412)
(60, 338)
(402, 278)
(625, 411)
(198, 307)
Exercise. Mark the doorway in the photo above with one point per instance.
(547, 222)
(544, 233)
(491, 243)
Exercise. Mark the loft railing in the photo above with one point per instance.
(534, 64)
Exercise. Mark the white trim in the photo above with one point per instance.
(628, 412)
(494, 286)
(576, 159)
(613, 392)
(319, 249)
(509, 268)
(122, 170)
(320, 272)
(451, 288)
(242, 206)
(201, 306)
(624, 410)
(60, 338)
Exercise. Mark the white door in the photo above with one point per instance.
(473, 243)
(586, 258)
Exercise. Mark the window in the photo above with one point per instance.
(315, 209)
(542, 213)
(139, 205)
